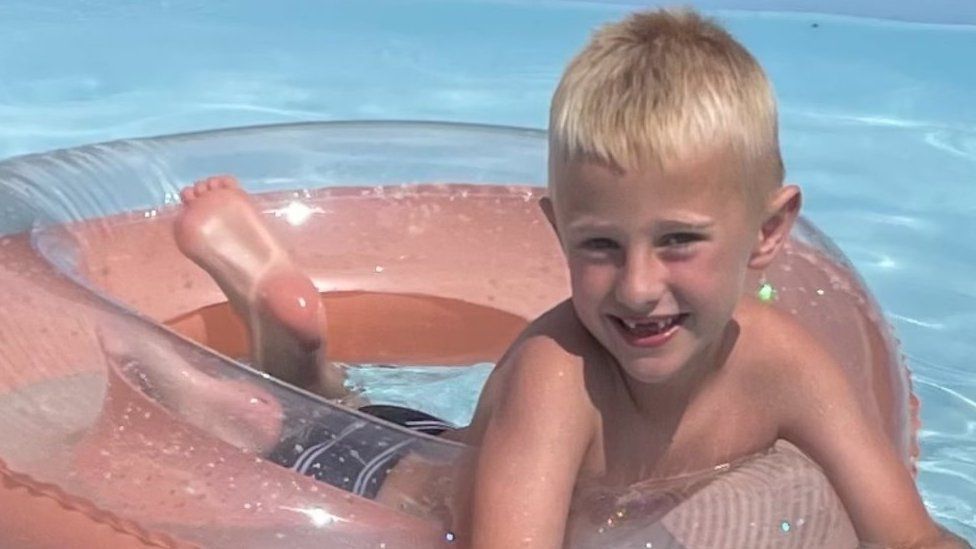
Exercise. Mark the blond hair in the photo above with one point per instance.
(661, 86)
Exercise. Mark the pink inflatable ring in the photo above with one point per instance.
(428, 247)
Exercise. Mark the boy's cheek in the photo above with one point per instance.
(590, 281)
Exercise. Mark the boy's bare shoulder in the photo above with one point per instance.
(555, 345)
(551, 364)
(778, 350)
(773, 344)
(767, 326)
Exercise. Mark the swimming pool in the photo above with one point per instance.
(877, 124)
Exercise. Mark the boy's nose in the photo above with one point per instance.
(640, 284)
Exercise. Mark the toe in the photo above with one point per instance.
(230, 182)
(223, 182)
(187, 195)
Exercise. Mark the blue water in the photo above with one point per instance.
(448, 392)
(878, 125)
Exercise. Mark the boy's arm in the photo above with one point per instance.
(534, 442)
(821, 414)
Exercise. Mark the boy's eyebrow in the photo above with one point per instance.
(665, 225)
(590, 223)
(698, 225)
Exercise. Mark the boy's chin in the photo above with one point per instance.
(651, 370)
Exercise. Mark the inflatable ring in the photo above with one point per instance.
(428, 247)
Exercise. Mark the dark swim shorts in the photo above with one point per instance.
(352, 459)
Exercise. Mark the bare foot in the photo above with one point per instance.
(220, 230)
(237, 412)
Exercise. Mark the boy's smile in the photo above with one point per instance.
(657, 258)
(650, 331)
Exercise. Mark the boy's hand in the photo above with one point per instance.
(944, 540)
(944, 543)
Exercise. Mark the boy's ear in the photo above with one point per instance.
(545, 203)
(778, 218)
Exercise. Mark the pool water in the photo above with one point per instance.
(447, 392)
(878, 126)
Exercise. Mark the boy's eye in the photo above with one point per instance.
(677, 240)
(598, 244)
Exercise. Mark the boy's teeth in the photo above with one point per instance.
(656, 325)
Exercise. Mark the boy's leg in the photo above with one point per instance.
(238, 412)
(220, 230)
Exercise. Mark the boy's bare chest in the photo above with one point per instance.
(719, 428)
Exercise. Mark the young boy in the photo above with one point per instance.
(665, 189)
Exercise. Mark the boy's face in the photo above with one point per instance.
(657, 259)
